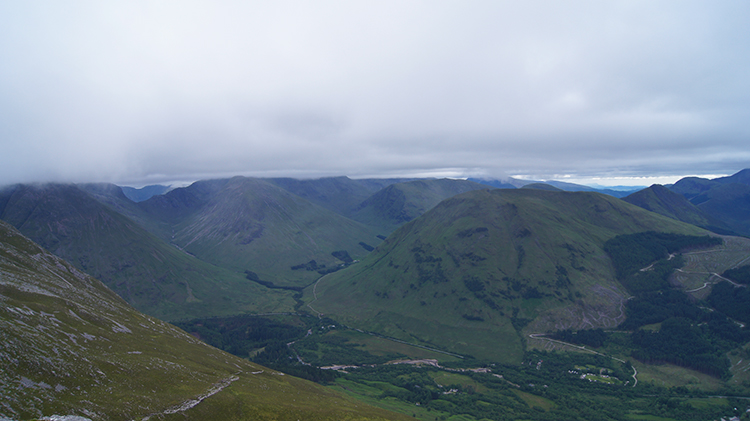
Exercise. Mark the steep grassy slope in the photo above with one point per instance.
(252, 225)
(160, 214)
(68, 345)
(399, 203)
(114, 197)
(665, 202)
(472, 273)
(147, 272)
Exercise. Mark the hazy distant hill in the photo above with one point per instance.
(473, 272)
(147, 272)
(663, 201)
(248, 224)
(726, 199)
(690, 187)
(399, 203)
(144, 193)
(741, 177)
(513, 183)
(620, 193)
(509, 183)
(72, 347)
(339, 194)
(541, 186)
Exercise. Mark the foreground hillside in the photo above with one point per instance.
(481, 269)
(71, 346)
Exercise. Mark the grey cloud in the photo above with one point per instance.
(147, 91)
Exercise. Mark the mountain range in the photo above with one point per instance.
(71, 346)
(457, 266)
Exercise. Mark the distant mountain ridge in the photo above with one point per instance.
(663, 201)
(398, 203)
(144, 193)
(725, 199)
(513, 183)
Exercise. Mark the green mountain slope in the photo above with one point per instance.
(252, 225)
(663, 201)
(160, 214)
(70, 346)
(482, 269)
(148, 273)
(729, 203)
(399, 203)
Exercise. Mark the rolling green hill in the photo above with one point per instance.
(148, 273)
(399, 203)
(479, 270)
(70, 346)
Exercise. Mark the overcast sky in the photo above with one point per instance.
(141, 92)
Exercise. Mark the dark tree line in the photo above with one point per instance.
(740, 275)
(631, 252)
(239, 335)
(683, 343)
(592, 337)
(730, 300)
